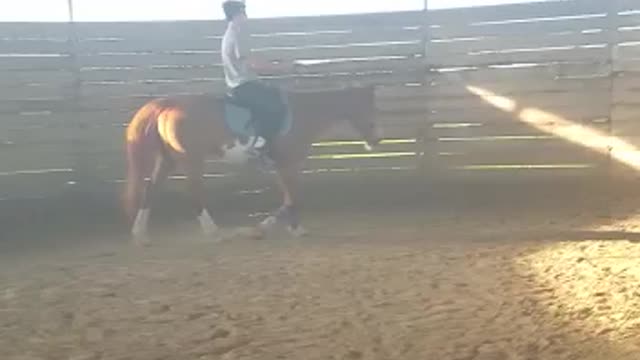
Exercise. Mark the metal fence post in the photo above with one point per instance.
(423, 137)
(81, 163)
(613, 41)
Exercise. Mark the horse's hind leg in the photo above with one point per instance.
(162, 167)
(195, 172)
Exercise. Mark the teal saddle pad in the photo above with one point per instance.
(239, 122)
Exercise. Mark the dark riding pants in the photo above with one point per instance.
(266, 105)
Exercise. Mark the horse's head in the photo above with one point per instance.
(363, 118)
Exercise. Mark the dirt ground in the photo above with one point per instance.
(537, 280)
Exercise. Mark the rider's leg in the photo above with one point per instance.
(266, 105)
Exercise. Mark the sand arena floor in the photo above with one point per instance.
(444, 285)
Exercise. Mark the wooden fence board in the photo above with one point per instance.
(35, 105)
(214, 71)
(148, 60)
(400, 63)
(520, 75)
(629, 52)
(521, 28)
(36, 92)
(530, 156)
(407, 48)
(358, 147)
(628, 5)
(25, 77)
(630, 35)
(101, 138)
(33, 30)
(28, 186)
(170, 30)
(391, 127)
(527, 10)
(628, 27)
(167, 29)
(523, 151)
(595, 54)
(500, 130)
(357, 35)
(152, 43)
(217, 85)
(35, 63)
(626, 88)
(543, 100)
(627, 97)
(627, 65)
(51, 124)
(626, 124)
(131, 102)
(10, 46)
(517, 42)
(532, 175)
(626, 119)
(213, 57)
(333, 81)
(153, 88)
(142, 73)
(509, 88)
(37, 157)
(480, 112)
(340, 22)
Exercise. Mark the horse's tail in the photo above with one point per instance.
(139, 142)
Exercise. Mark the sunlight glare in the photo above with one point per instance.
(572, 131)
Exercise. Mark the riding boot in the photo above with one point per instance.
(265, 155)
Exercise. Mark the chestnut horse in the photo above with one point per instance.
(182, 131)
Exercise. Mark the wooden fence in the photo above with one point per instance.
(69, 89)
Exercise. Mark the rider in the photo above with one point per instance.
(240, 68)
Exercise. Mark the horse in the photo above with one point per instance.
(168, 133)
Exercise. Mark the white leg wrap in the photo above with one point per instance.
(298, 232)
(209, 227)
(140, 225)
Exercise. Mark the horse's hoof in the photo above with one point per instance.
(141, 241)
(212, 238)
(298, 232)
(257, 233)
(212, 234)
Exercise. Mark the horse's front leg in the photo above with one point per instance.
(287, 179)
(195, 173)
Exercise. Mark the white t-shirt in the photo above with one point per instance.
(235, 50)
